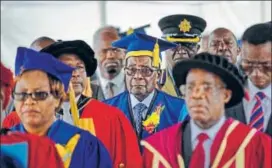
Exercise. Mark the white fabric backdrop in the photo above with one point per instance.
(22, 22)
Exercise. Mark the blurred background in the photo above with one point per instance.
(24, 21)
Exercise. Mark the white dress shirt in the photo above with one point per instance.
(118, 81)
(211, 132)
(266, 102)
(67, 116)
(146, 101)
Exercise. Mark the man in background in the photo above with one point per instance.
(110, 62)
(223, 42)
(41, 43)
(256, 64)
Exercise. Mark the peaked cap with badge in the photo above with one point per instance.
(182, 28)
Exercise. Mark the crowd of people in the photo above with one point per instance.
(112, 105)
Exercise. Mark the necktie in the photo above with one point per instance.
(110, 92)
(198, 156)
(139, 109)
(257, 113)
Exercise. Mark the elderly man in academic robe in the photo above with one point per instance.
(208, 139)
(148, 109)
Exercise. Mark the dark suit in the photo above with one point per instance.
(97, 92)
(237, 112)
(186, 142)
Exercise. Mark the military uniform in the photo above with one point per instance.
(184, 30)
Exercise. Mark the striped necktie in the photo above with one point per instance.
(110, 91)
(139, 109)
(257, 114)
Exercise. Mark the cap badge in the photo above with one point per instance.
(185, 26)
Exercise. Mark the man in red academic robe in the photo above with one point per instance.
(208, 138)
(19, 149)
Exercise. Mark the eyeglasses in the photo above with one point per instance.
(145, 71)
(249, 66)
(37, 96)
(206, 88)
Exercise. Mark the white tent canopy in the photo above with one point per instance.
(23, 21)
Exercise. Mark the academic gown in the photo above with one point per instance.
(25, 151)
(170, 111)
(244, 148)
(11, 120)
(77, 148)
(167, 84)
(110, 125)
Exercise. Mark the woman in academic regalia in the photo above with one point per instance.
(39, 89)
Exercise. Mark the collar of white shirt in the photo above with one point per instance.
(253, 90)
(66, 104)
(146, 101)
(118, 81)
(211, 132)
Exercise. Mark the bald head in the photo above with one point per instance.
(41, 43)
(107, 33)
(223, 42)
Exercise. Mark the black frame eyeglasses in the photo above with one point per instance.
(37, 96)
(145, 71)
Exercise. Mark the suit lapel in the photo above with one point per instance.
(237, 112)
(269, 127)
(81, 103)
(186, 143)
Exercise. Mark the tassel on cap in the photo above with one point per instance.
(74, 109)
(156, 55)
(87, 90)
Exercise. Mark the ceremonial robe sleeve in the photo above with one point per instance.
(44, 153)
(264, 151)
(90, 153)
(147, 158)
(11, 120)
(127, 151)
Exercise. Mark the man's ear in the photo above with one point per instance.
(227, 97)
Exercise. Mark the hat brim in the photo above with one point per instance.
(90, 64)
(181, 70)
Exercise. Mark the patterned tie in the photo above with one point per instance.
(139, 109)
(198, 156)
(110, 92)
(257, 114)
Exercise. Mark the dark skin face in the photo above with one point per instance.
(110, 59)
(79, 75)
(205, 97)
(256, 63)
(180, 53)
(139, 85)
(36, 116)
(222, 42)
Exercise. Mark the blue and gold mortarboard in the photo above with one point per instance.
(138, 44)
(134, 30)
(28, 59)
